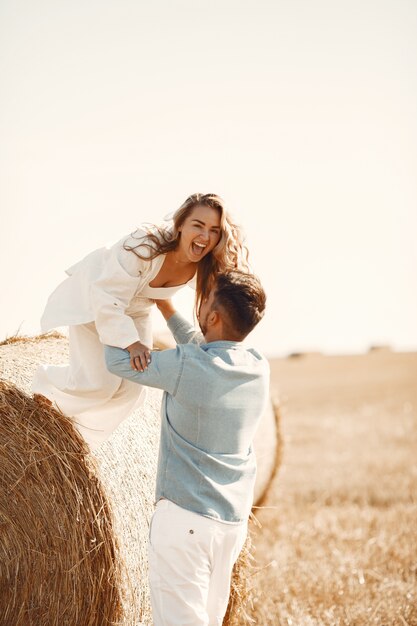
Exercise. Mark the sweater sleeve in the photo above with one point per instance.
(163, 372)
(183, 331)
(111, 293)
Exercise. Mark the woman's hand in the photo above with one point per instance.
(166, 308)
(140, 356)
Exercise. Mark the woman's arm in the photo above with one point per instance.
(166, 308)
(182, 330)
(120, 279)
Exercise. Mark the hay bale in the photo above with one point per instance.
(266, 443)
(57, 545)
(126, 466)
(269, 446)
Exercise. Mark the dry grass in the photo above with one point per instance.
(54, 334)
(57, 546)
(242, 589)
(342, 521)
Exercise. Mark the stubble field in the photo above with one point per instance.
(338, 542)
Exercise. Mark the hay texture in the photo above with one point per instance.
(124, 469)
(57, 545)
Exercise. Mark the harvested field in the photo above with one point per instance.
(339, 530)
(337, 543)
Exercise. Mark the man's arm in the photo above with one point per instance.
(183, 331)
(163, 372)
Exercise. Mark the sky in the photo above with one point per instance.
(301, 114)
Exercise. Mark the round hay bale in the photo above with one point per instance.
(267, 442)
(57, 545)
(126, 467)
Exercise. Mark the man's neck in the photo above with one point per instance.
(212, 335)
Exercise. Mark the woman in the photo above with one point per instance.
(107, 299)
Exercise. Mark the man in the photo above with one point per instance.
(216, 389)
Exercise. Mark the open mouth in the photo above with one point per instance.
(198, 248)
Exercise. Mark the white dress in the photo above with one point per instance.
(109, 293)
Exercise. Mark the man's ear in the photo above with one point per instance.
(213, 318)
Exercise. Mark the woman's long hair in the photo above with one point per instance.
(229, 254)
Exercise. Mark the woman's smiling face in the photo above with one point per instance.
(200, 233)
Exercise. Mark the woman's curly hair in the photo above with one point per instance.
(229, 254)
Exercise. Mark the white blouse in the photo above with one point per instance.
(110, 286)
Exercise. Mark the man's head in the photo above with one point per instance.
(233, 308)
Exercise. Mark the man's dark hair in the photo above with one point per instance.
(241, 300)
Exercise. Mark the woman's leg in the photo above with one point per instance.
(85, 390)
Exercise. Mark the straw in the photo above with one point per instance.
(57, 547)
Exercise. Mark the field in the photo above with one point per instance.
(337, 542)
(338, 536)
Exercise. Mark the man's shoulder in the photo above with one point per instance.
(258, 355)
(192, 349)
(238, 355)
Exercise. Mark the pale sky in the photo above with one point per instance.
(301, 114)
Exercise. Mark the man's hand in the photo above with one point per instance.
(140, 356)
(166, 307)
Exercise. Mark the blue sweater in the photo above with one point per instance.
(215, 394)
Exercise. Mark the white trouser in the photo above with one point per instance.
(191, 558)
(85, 390)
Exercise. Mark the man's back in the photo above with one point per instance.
(220, 395)
(206, 461)
(215, 396)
